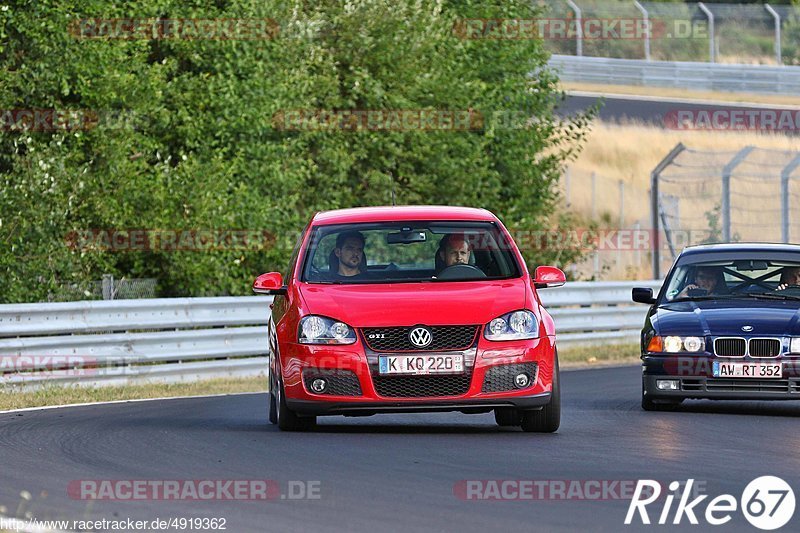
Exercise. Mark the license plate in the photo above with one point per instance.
(747, 370)
(421, 364)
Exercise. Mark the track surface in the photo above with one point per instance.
(397, 472)
(616, 109)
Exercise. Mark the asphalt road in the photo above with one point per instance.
(396, 472)
(651, 112)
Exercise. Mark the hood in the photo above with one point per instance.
(726, 317)
(407, 304)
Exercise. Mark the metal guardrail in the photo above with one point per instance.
(590, 312)
(679, 74)
(120, 342)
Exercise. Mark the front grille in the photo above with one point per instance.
(340, 382)
(395, 339)
(730, 346)
(765, 347)
(421, 386)
(740, 385)
(501, 377)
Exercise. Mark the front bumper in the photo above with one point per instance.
(367, 391)
(316, 407)
(695, 379)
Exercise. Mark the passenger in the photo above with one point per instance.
(790, 276)
(707, 278)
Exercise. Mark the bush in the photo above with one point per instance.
(198, 149)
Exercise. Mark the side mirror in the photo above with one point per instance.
(547, 276)
(643, 295)
(270, 283)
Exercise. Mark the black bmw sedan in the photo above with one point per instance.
(725, 325)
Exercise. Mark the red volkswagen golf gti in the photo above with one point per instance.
(411, 309)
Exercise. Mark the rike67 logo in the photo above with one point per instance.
(767, 503)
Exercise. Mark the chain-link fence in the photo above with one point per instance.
(747, 195)
(614, 213)
(674, 31)
(109, 288)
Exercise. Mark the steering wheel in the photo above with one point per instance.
(461, 271)
(789, 287)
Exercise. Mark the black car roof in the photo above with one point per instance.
(741, 247)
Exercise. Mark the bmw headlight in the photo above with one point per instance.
(322, 330)
(794, 345)
(675, 344)
(512, 326)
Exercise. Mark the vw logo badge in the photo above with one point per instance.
(420, 337)
(747, 328)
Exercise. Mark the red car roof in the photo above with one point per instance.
(405, 212)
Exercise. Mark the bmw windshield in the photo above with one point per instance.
(409, 252)
(763, 278)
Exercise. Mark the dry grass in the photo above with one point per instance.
(11, 398)
(628, 153)
(669, 92)
(604, 354)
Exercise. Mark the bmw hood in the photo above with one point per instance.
(727, 317)
(408, 304)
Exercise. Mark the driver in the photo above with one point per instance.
(789, 276)
(350, 254)
(706, 278)
(454, 249)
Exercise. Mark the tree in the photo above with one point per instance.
(201, 145)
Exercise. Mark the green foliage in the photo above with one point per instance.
(198, 148)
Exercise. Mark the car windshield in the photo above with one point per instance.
(409, 252)
(745, 278)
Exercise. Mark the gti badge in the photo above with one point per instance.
(420, 337)
(747, 329)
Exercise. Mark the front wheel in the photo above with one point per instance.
(663, 405)
(506, 416)
(287, 419)
(648, 404)
(548, 418)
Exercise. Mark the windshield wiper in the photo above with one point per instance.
(771, 296)
(698, 298)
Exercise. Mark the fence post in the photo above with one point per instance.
(777, 17)
(646, 20)
(108, 287)
(786, 172)
(711, 48)
(578, 27)
(726, 190)
(654, 175)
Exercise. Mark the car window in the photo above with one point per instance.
(733, 278)
(407, 252)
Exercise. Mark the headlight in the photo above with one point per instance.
(512, 326)
(675, 344)
(322, 330)
(794, 345)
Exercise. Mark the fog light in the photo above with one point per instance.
(667, 384)
(319, 385)
(522, 380)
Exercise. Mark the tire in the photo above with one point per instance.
(548, 418)
(287, 419)
(273, 409)
(663, 405)
(649, 404)
(506, 416)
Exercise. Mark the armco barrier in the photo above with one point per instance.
(679, 74)
(121, 342)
